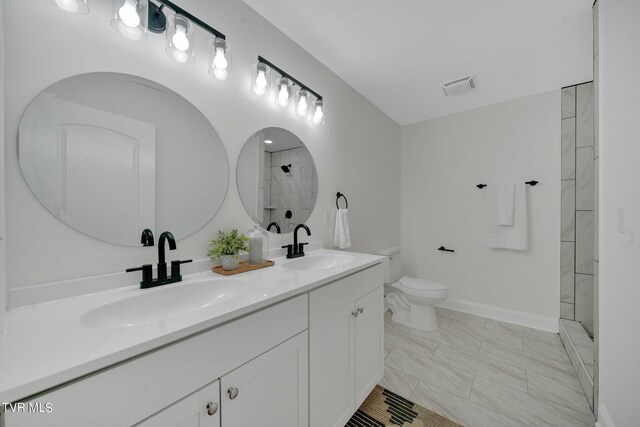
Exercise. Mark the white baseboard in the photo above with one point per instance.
(604, 420)
(535, 321)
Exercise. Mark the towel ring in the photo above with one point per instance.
(346, 202)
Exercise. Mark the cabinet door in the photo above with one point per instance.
(369, 343)
(270, 390)
(332, 359)
(200, 409)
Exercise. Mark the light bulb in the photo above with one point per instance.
(219, 61)
(180, 40)
(318, 114)
(128, 14)
(302, 105)
(70, 6)
(220, 74)
(283, 94)
(261, 83)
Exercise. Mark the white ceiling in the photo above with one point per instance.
(396, 53)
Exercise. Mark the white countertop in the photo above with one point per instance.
(48, 344)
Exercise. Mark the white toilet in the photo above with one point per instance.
(412, 301)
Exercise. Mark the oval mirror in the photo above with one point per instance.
(277, 180)
(112, 154)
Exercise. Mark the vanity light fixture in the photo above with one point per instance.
(284, 91)
(261, 82)
(130, 18)
(180, 39)
(79, 7)
(220, 58)
(318, 112)
(268, 141)
(305, 97)
(302, 103)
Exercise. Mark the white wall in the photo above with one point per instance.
(2, 176)
(45, 44)
(619, 315)
(442, 161)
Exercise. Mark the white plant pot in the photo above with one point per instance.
(229, 262)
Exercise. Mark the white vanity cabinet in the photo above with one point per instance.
(270, 390)
(200, 409)
(346, 333)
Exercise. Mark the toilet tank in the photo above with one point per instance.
(391, 264)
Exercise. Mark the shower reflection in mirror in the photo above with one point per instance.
(277, 180)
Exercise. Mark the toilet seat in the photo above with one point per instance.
(421, 288)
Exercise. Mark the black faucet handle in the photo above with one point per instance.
(147, 272)
(289, 249)
(175, 267)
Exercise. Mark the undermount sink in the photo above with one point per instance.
(164, 302)
(318, 262)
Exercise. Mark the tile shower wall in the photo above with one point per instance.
(295, 191)
(578, 205)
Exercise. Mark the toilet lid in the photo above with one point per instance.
(422, 285)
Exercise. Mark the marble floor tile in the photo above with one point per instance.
(557, 348)
(413, 343)
(388, 348)
(424, 368)
(502, 338)
(553, 355)
(499, 372)
(470, 319)
(528, 409)
(561, 390)
(400, 382)
(459, 338)
(458, 409)
(530, 333)
(538, 362)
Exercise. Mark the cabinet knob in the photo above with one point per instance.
(212, 408)
(354, 313)
(360, 310)
(233, 392)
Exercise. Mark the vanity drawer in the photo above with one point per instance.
(322, 302)
(133, 390)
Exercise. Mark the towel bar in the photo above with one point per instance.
(346, 202)
(531, 183)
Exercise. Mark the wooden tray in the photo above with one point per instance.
(243, 267)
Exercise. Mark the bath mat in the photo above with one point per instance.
(383, 408)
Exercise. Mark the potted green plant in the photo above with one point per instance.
(227, 247)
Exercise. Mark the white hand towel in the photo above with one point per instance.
(342, 236)
(507, 236)
(506, 202)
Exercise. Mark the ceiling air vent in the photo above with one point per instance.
(459, 86)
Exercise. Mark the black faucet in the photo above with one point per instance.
(147, 238)
(147, 269)
(296, 250)
(275, 224)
